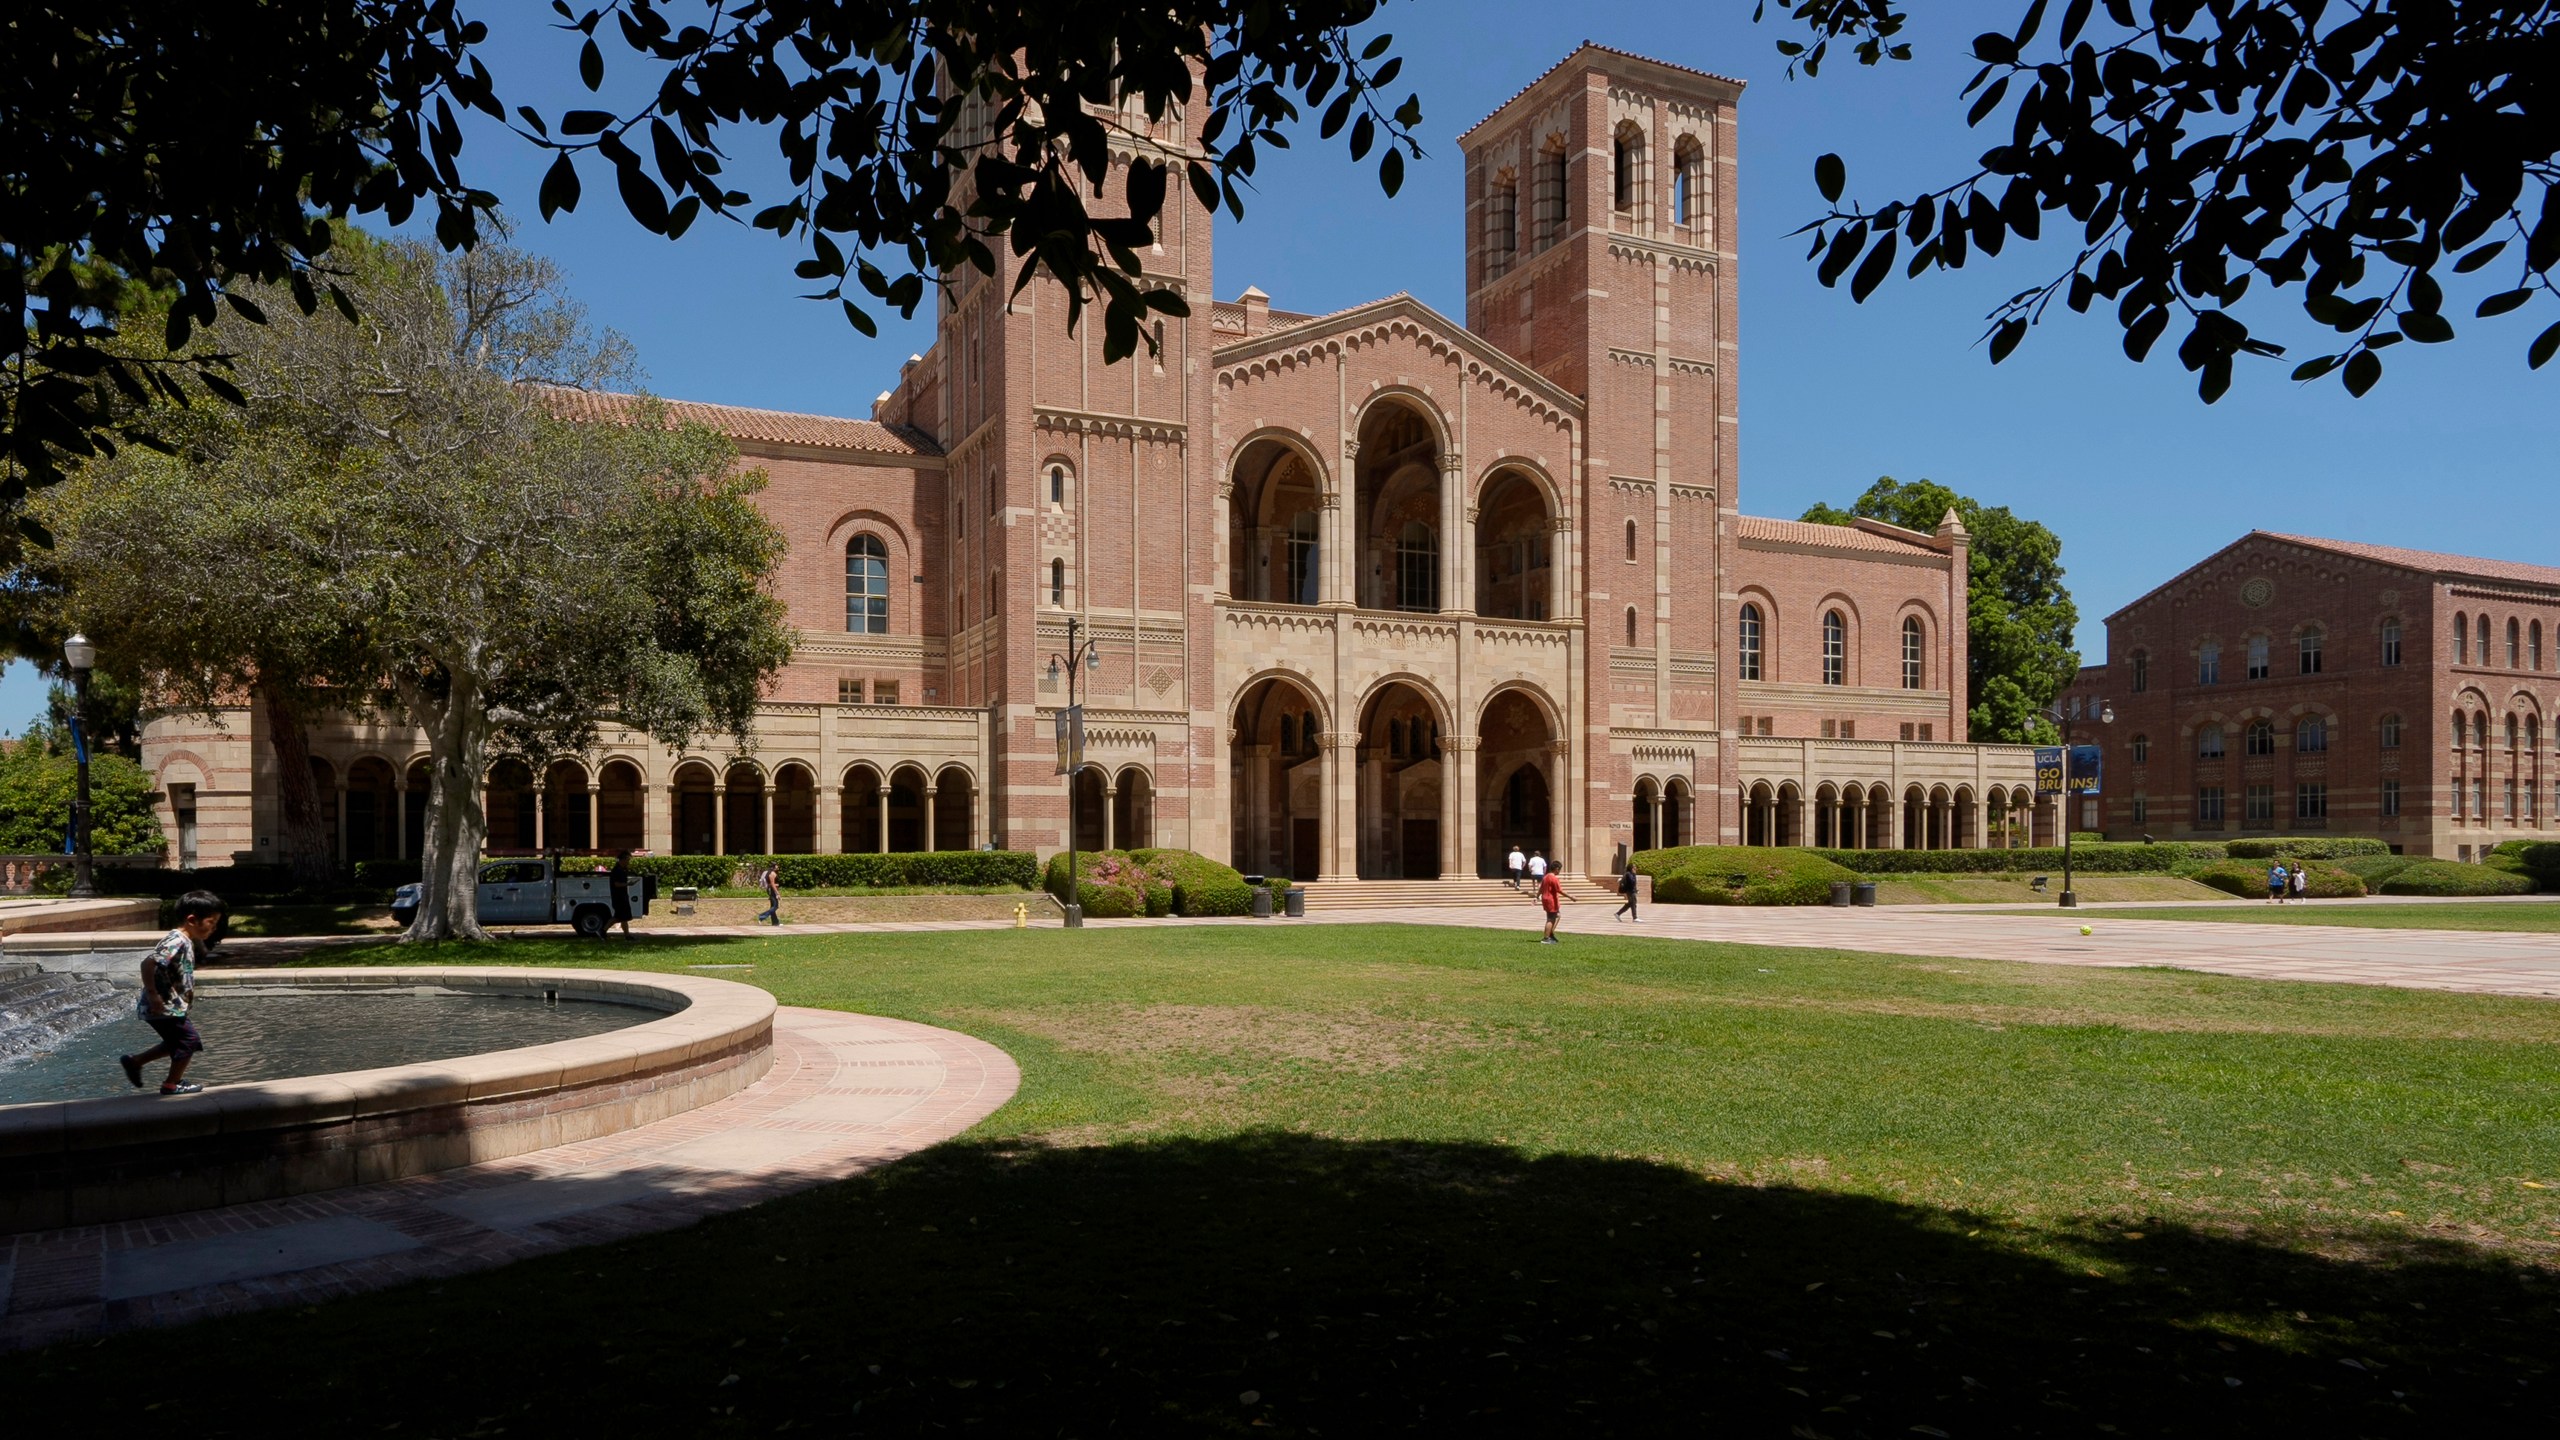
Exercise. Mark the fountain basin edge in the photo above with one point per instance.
(85, 1162)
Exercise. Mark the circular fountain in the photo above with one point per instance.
(655, 1046)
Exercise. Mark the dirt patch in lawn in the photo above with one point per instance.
(1356, 1043)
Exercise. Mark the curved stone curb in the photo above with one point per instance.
(846, 1093)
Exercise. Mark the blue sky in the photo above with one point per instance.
(2455, 451)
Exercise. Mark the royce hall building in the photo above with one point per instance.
(1377, 594)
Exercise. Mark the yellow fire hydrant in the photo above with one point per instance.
(1021, 915)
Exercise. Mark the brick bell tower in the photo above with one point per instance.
(1600, 224)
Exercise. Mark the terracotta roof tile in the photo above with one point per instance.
(2429, 560)
(1837, 537)
(739, 422)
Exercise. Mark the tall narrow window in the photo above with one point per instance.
(1057, 582)
(2480, 631)
(1626, 151)
(2311, 736)
(2515, 643)
(1302, 559)
(2141, 671)
(1501, 225)
(2141, 749)
(1631, 627)
(1914, 653)
(2209, 664)
(2533, 647)
(2390, 799)
(2306, 648)
(2391, 642)
(1550, 196)
(2461, 728)
(2258, 739)
(1631, 542)
(1747, 645)
(2257, 657)
(2461, 639)
(2390, 732)
(1835, 648)
(866, 586)
(1689, 182)
(1417, 568)
(2209, 743)
(1057, 484)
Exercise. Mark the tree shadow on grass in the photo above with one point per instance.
(1289, 1283)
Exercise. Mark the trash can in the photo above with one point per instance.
(1840, 893)
(1864, 893)
(1297, 902)
(1261, 902)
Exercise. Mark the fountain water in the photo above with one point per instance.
(40, 1009)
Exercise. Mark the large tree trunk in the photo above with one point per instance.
(449, 859)
(302, 833)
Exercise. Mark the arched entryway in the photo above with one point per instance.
(1275, 528)
(1517, 770)
(1400, 785)
(508, 804)
(1647, 801)
(1275, 773)
(906, 809)
(1515, 549)
(1133, 810)
(373, 803)
(564, 806)
(1678, 814)
(622, 808)
(954, 808)
(795, 809)
(742, 830)
(697, 819)
(1396, 505)
(1092, 809)
(861, 816)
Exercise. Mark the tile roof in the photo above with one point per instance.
(2430, 560)
(1837, 537)
(1605, 50)
(739, 422)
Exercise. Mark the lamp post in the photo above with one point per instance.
(1081, 655)
(2106, 715)
(80, 656)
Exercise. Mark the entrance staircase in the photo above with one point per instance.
(1472, 893)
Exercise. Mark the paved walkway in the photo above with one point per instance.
(846, 1093)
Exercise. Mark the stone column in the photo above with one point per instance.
(1564, 808)
(884, 817)
(541, 814)
(720, 818)
(1110, 817)
(1461, 751)
(1455, 533)
(1658, 842)
(1563, 599)
(830, 820)
(674, 818)
(342, 821)
(1341, 846)
(929, 792)
(768, 846)
(1335, 564)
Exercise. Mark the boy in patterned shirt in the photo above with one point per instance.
(168, 990)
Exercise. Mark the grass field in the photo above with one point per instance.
(1337, 1180)
(2536, 915)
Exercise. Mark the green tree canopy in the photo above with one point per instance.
(39, 776)
(396, 520)
(2372, 155)
(2019, 617)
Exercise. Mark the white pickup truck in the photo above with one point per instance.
(539, 892)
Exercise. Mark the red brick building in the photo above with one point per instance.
(1376, 593)
(2290, 685)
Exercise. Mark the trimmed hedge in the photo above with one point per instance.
(1739, 875)
(1110, 885)
(2374, 869)
(2107, 859)
(2541, 859)
(2249, 879)
(1200, 885)
(2306, 847)
(2451, 877)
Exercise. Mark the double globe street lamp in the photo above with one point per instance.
(2104, 714)
(1081, 655)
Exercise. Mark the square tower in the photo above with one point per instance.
(1599, 235)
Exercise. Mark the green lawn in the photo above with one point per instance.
(2535, 915)
(1346, 1179)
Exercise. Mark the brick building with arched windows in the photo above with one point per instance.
(1377, 593)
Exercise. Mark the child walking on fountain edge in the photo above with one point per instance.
(169, 987)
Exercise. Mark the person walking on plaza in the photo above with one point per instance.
(1550, 896)
(2277, 879)
(620, 879)
(1519, 863)
(1537, 866)
(2301, 882)
(1627, 888)
(771, 880)
(169, 990)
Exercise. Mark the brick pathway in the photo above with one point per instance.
(846, 1093)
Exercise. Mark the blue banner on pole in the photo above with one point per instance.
(2049, 770)
(79, 742)
(2088, 769)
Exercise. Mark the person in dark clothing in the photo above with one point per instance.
(169, 991)
(621, 890)
(1627, 888)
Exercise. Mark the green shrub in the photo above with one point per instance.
(2451, 877)
(1110, 885)
(2542, 861)
(2513, 848)
(957, 868)
(1739, 875)
(1198, 885)
(706, 872)
(2249, 878)
(2305, 847)
(2374, 869)
(2105, 859)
